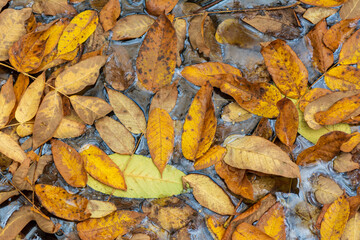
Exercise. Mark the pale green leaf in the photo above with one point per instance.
(142, 178)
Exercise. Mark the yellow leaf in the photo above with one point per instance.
(215, 227)
(343, 78)
(350, 51)
(160, 137)
(324, 3)
(69, 127)
(78, 30)
(25, 129)
(131, 26)
(273, 222)
(212, 156)
(246, 231)
(10, 148)
(7, 101)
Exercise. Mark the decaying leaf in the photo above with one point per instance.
(211, 157)
(311, 96)
(246, 231)
(270, 159)
(157, 7)
(215, 227)
(10, 148)
(350, 9)
(70, 127)
(350, 51)
(351, 231)
(99, 209)
(53, 7)
(131, 26)
(344, 163)
(6, 195)
(273, 222)
(343, 78)
(7, 101)
(165, 98)
(324, 3)
(156, 61)
(108, 15)
(287, 123)
(180, 29)
(234, 113)
(326, 190)
(209, 194)
(316, 14)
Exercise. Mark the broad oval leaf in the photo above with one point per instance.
(108, 15)
(53, 7)
(246, 231)
(273, 222)
(131, 26)
(343, 78)
(326, 190)
(7, 101)
(165, 98)
(69, 128)
(324, 3)
(258, 154)
(352, 228)
(158, 7)
(142, 178)
(287, 123)
(350, 51)
(99, 209)
(10, 148)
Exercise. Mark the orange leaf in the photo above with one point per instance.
(109, 227)
(288, 72)
(246, 231)
(7, 101)
(100, 166)
(324, 3)
(212, 156)
(61, 203)
(272, 222)
(108, 15)
(350, 51)
(311, 96)
(335, 218)
(343, 78)
(160, 137)
(157, 7)
(155, 64)
(200, 124)
(69, 163)
(287, 123)
(350, 144)
(326, 148)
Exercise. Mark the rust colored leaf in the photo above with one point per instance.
(155, 64)
(200, 125)
(324, 3)
(326, 148)
(258, 98)
(90, 108)
(160, 137)
(246, 231)
(109, 227)
(343, 78)
(62, 203)
(350, 51)
(211, 157)
(100, 166)
(131, 26)
(165, 98)
(339, 32)
(335, 218)
(214, 72)
(350, 9)
(272, 222)
(158, 7)
(287, 123)
(322, 56)
(53, 7)
(311, 96)
(10, 148)
(350, 144)
(108, 15)
(69, 163)
(288, 72)
(20, 86)
(7, 101)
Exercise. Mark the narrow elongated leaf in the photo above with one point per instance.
(349, 145)
(212, 156)
(10, 148)
(142, 178)
(287, 123)
(131, 26)
(258, 154)
(343, 78)
(350, 51)
(7, 101)
(108, 15)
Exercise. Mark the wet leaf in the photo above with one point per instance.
(350, 9)
(53, 7)
(69, 127)
(209, 194)
(115, 135)
(311, 96)
(6, 195)
(349, 145)
(127, 111)
(339, 32)
(158, 7)
(273, 222)
(99, 209)
(90, 108)
(245, 231)
(25, 129)
(344, 163)
(326, 148)
(322, 57)
(155, 64)
(350, 51)
(234, 113)
(78, 30)
(160, 137)
(109, 227)
(180, 30)
(108, 15)
(287, 123)
(351, 231)
(258, 154)
(211, 157)
(263, 129)
(62, 203)
(69, 163)
(326, 190)
(200, 125)
(343, 78)
(288, 72)
(215, 227)
(165, 98)
(324, 3)
(7, 101)
(316, 14)
(100, 166)
(142, 178)
(131, 26)
(12, 28)
(335, 218)
(47, 118)
(10, 148)
(30, 101)
(213, 72)
(77, 77)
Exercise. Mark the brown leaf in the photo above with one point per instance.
(131, 26)
(326, 190)
(316, 14)
(287, 123)
(350, 9)
(6, 195)
(156, 61)
(211, 157)
(108, 15)
(311, 96)
(10, 148)
(165, 98)
(70, 127)
(234, 113)
(350, 51)
(180, 29)
(99, 209)
(343, 78)
(158, 7)
(324, 3)
(7, 101)
(352, 228)
(326, 148)
(53, 7)
(273, 222)
(344, 163)
(263, 129)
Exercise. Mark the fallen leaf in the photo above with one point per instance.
(7, 101)
(326, 148)
(343, 78)
(131, 26)
(30, 101)
(3, 3)
(324, 3)
(234, 113)
(246, 231)
(326, 190)
(99, 209)
(100, 166)
(77, 77)
(158, 7)
(69, 127)
(263, 129)
(69, 163)
(127, 111)
(209, 194)
(211, 157)
(90, 108)
(115, 135)
(156, 61)
(142, 178)
(344, 163)
(270, 159)
(47, 118)
(108, 15)
(350, 9)
(78, 30)
(109, 227)
(335, 218)
(53, 7)
(312, 95)
(288, 72)
(165, 98)
(10, 148)
(200, 125)
(287, 123)
(215, 227)
(25, 129)
(213, 72)
(273, 222)
(351, 231)
(339, 32)
(180, 30)
(12, 28)
(350, 51)
(6, 195)
(316, 14)
(350, 144)
(322, 57)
